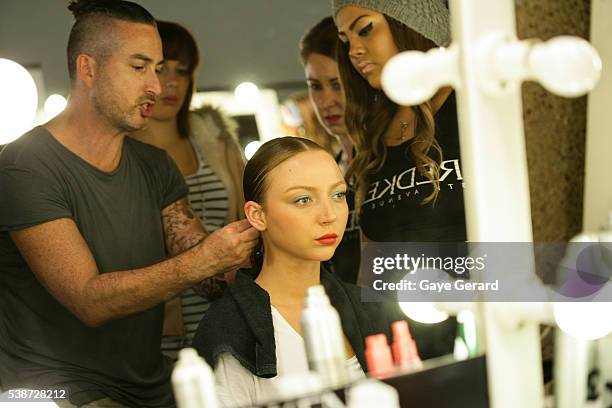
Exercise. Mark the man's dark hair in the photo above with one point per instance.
(321, 38)
(92, 29)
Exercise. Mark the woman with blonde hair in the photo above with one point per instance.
(295, 196)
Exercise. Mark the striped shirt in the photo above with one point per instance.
(209, 199)
(208, 196)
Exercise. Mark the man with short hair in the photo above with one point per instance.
(95, 229)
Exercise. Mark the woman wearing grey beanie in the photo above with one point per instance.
(406, 169)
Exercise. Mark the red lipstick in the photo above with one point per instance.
(328, 239)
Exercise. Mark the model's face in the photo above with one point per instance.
(174, 79)
(370, 41)
(326, 92)
(126, 85)
(305, 207)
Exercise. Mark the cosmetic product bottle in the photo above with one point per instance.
(372, 393)
(193, 381)
(405, 353)
(378, 356)
(324, 339)
(304, 386)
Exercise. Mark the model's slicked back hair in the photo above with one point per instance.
(321, 38)
(92, 30)
(269, 156)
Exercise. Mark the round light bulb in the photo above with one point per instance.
(567, 66)
(54, 105)
(251, 148)
(413, 77)
(423, 312)
(247, 93)
(584, 320)
(18, 100)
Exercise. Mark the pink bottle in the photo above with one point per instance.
(378, 356)
(405, 353)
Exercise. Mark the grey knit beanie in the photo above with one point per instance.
(429, 18)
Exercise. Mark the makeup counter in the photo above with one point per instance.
(581, 380)
(441, 383)
(397, 377)
(448, 381)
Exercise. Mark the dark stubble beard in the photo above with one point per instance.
(107, 107)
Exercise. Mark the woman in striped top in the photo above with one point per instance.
(203, 145)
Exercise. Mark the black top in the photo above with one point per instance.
(392, 209)
(119, 216)
(241, 323)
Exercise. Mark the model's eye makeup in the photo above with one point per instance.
(339, 195)
(302, 200)
(365, 30)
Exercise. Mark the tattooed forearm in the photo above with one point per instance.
(182, 227)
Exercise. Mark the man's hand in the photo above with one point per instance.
(230, 247)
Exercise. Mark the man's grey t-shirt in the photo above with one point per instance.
(119, 216)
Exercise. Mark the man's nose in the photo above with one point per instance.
(153, 85)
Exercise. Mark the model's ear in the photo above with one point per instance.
(86, 68)
(255, 214)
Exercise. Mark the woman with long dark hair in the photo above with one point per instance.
(406, 156)
(406, 169)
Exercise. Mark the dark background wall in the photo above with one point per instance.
(555, 127)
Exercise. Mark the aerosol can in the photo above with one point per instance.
(323, 338)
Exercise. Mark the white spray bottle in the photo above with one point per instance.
(324, 339)
(193, 381)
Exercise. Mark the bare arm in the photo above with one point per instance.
(61, 260)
